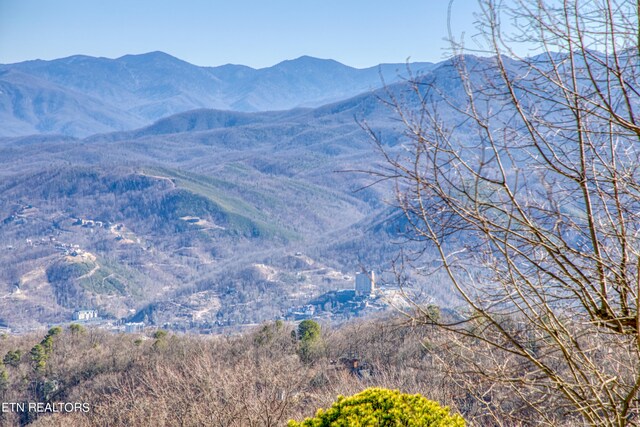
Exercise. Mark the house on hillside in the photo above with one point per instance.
(85, 315)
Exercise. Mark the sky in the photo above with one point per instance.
(257, 33)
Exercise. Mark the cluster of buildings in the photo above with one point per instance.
(134, 327)
(341, 303)
(19, 215)
(63, 248)
(90, 223)
(91, 316)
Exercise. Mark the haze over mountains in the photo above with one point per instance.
(217, 216)
(82, 95)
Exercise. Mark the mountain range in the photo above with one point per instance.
(229, 217)
(82, 95)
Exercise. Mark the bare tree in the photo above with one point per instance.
(521, 173)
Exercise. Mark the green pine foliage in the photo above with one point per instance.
(381, 407)
(310, 337)
(12, 358)
(39, 357)
(40, 352)
(308, 330)
(76, 329)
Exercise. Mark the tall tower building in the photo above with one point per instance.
(365, 283)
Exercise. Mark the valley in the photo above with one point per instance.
(194, 221)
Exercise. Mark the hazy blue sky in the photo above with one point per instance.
(258, 33)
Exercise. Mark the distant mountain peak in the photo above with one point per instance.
(153, 54)
(150, 56)
(306, 60)
(75, 58)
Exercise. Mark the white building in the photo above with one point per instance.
(365, 283)
(133, 327)
(84, 315)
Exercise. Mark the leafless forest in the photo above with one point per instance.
(498, 193)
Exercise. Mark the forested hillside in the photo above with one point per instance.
(265, 376)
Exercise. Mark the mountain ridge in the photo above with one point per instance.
(82, 95)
